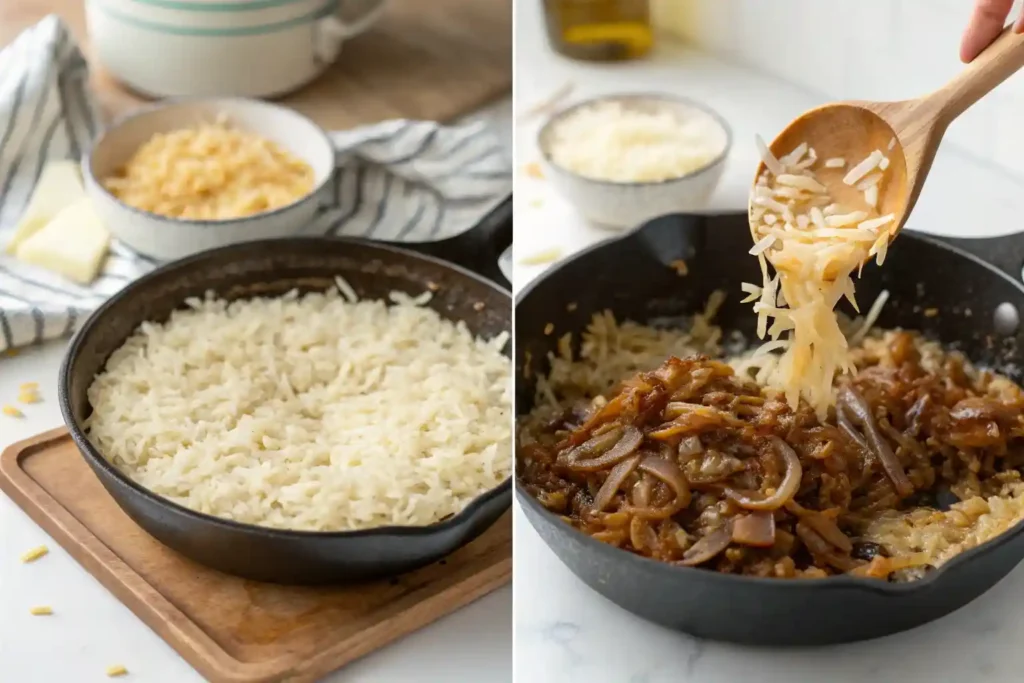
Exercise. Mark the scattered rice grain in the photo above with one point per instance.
(35, 554)
(541, 257)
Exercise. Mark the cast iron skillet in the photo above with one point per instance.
(269, 268)
(631, 276)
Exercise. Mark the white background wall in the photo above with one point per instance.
(859, 49)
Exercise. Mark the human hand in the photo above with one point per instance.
(987, 20)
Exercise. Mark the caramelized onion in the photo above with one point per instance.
(751, 500)
(843, 420)
(640, 534)
(687, 418)
(668, 472)
(689, 447)
(829, 530)
(820, 548)
(641, 494)
(708, 492)
(597, 443)
(859, 411)
(623, 448)
(916, 412)
(980, 408)
(756, 529)
(708, 546)
(614, 481)
(713, 466)
(609, 411)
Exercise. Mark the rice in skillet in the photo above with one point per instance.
(314, 412)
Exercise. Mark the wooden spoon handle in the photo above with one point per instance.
(995, 64)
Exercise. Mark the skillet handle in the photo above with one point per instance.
(479, 248)
(1005, 253)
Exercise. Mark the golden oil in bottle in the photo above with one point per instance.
(600, 30)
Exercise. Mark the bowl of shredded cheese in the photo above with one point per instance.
(624, 159)
(178, 178)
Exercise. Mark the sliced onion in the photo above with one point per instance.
(756, 529)
(713, 466)
(690, 446)
(668, 472)
(609, 411)
(754, 500)
(821, 549)
(980, 408)
(844, 423)
(597, 443)
(614, 482)
(708, 546)
(630, 441)
(829, 530)
(860, 412)
(641, 494)
(916, 412)
(640, 534)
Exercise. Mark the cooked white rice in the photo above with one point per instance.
(308, 412)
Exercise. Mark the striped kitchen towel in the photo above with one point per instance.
(411, 181)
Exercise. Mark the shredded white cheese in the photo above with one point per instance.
(814, 252)
(620, 143)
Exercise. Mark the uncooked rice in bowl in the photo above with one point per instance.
(313, 412)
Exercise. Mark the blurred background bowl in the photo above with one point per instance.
(266, 48)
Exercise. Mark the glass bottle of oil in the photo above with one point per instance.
(599, 30)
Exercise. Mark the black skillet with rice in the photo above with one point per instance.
(244, 523)
(967, 299)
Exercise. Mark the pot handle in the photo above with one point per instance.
(347, 21)
(1005, 253)
(355, 16)
(480, 248)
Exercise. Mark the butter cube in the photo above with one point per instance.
(74, 244)
(59, 186)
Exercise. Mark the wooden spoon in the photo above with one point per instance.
(913, 128)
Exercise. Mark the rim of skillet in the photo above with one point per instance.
(171, 102)
(90, 452)
(836, 581)
(663, 98)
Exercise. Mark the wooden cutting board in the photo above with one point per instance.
(431, 60)
(233, 630)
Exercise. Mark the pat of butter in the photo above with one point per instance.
(59, 186)
(74, 244)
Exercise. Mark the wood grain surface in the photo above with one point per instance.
(233, 630)
(431, 60)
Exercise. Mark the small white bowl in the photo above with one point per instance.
(622, 205)
(162, 237)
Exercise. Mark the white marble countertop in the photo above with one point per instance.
(566, 632)
(91, 630)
